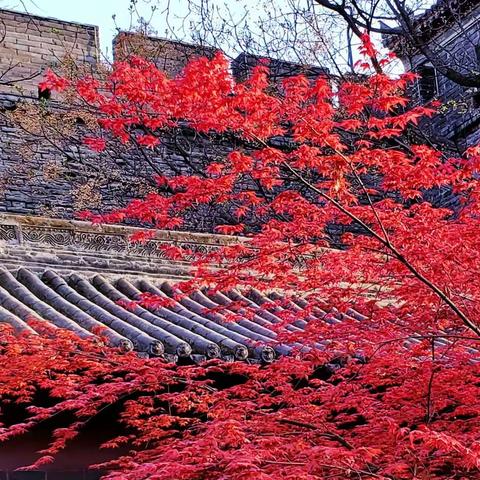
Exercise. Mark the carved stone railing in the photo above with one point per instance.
(39, 242)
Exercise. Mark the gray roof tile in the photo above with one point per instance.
(184, 328)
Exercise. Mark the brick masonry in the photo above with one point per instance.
(37, 178)
(31, 44)
(171, 57)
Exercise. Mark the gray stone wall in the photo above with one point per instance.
(169, 56)
(45, 173)
(59, 178)
(49, 174)
(30, 44)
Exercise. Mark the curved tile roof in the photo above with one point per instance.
(184, 328)
(441, 15)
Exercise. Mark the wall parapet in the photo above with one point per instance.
(29, 44)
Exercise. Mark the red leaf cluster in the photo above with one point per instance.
(386, 384)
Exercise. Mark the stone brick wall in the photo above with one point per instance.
(41, 175)
(57, 178)
(31, 43)
(243, 65)
(169, 56)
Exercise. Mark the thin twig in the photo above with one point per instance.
(329, 435)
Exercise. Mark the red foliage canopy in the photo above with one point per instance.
(394, 392)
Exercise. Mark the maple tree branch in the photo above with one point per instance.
(398, 255)
(359, 180)
(407, 30)
(329, 435)
(355, 470)
(430, 384)
(335, 467)
(384, 241)
(353, 26)
(369, 199)
(361, 24)
(433, 336)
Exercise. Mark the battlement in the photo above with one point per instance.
(171, 56)
(29, 44)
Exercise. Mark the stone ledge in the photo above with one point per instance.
(23, 221)
(80, 246)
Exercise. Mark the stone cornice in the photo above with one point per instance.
(73, 245)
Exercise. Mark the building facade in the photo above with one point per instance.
(449, 33)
